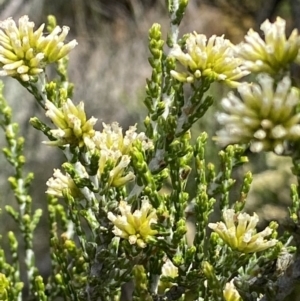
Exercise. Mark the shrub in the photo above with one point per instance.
(122, 223)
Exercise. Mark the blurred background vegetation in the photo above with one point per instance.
(109, 68)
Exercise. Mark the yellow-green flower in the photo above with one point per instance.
(118, 165)
(168, 272)
(213, 59)
(112, 138)
(264, 115)
(273, 53)
(24, 53)
(72, 125)
(60, 183)
(136, 226)
(169, 269)
(239, 232)
(230, 293)
(114, 151)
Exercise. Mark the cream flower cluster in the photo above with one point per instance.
(24, 53)
(60, 183)
(136, 226)
(213, 59)
(169, 269)
(264, 115)
(168, 272)
(239, 232)
(112, 138)
(73, 128)
(230, 293)
(272, 54)
(114, 148)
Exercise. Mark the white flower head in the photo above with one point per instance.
(72, 125)
(118, 165)
(60, 183)
(273, 53)
(230, 293)
(112, 138)
(24, 53)
(264, 115)
(136, 226)
(212, 58)
(239, 232)
(169, 269)
(114, 149)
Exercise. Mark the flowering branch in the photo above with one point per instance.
(145, 216)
